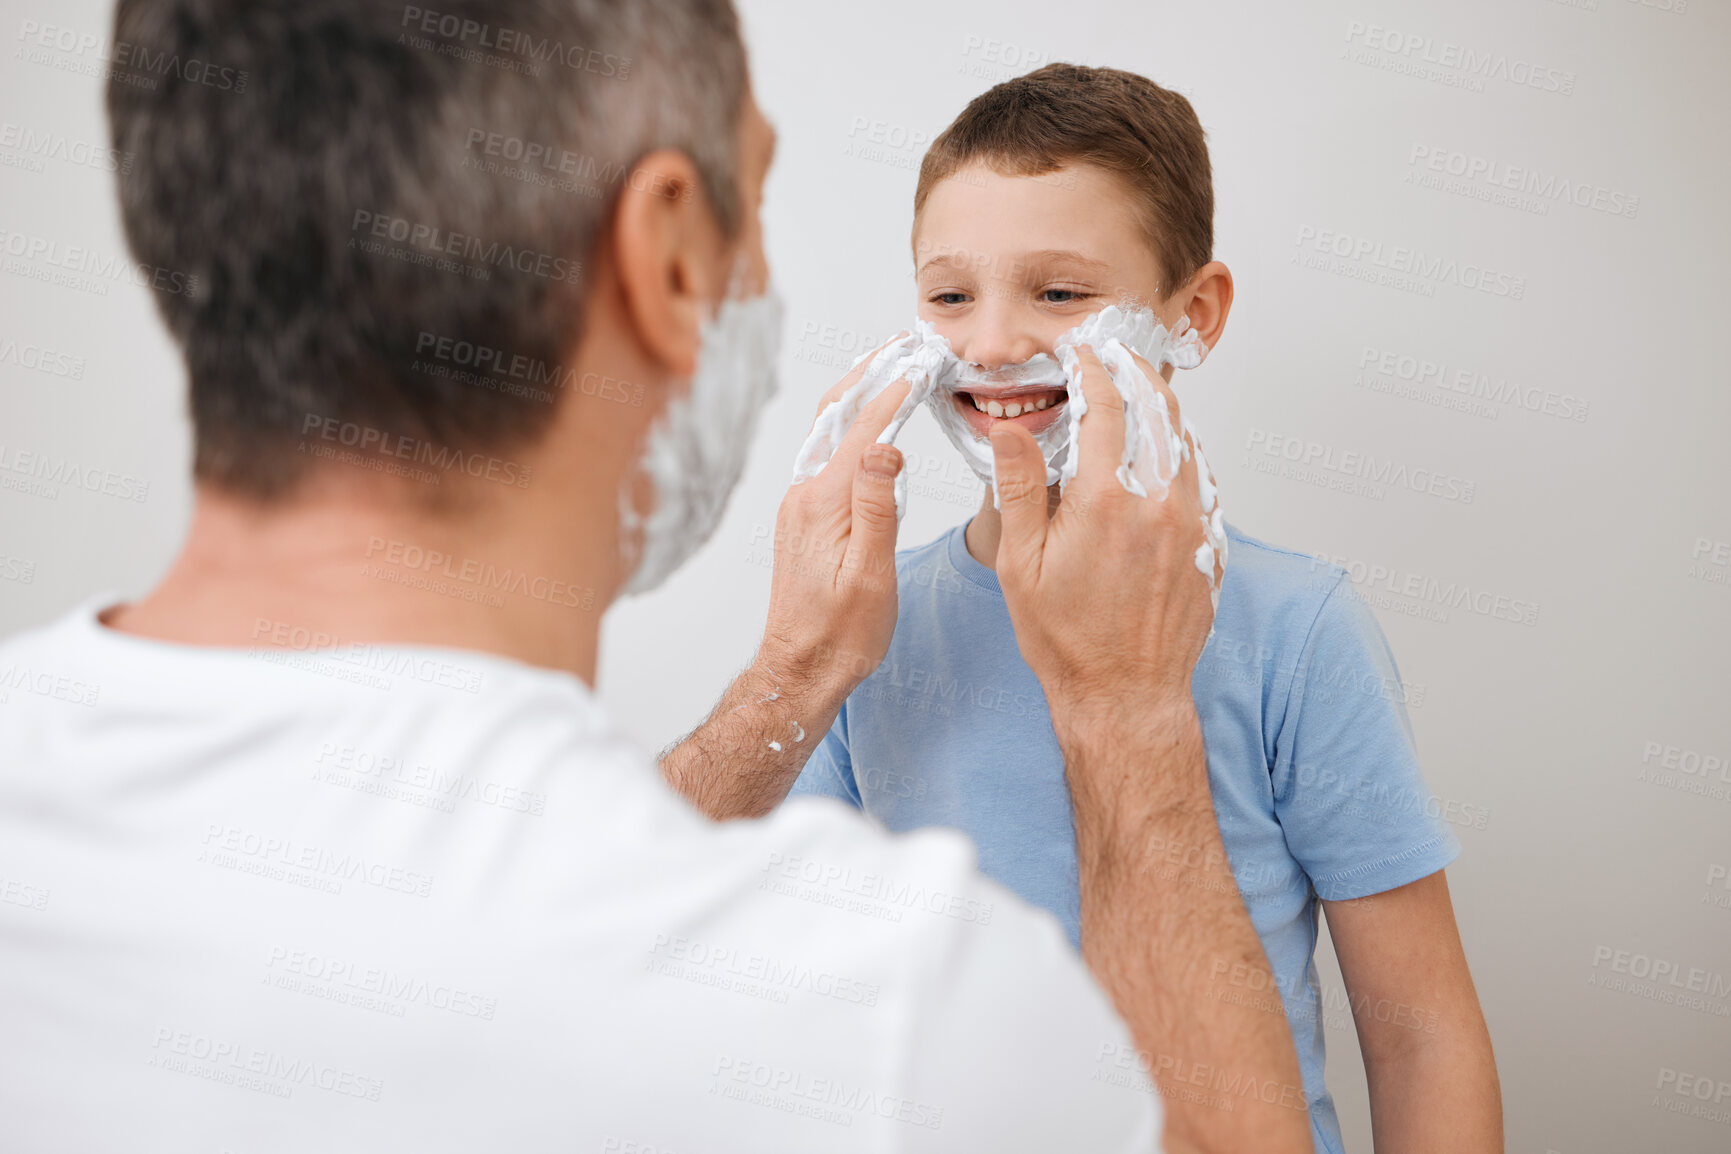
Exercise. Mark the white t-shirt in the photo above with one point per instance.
(401, 898)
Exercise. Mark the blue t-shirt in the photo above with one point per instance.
(1310, 756)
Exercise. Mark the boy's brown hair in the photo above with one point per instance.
(1147, 135)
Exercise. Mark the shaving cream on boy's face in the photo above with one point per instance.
(1153, 450)
(695, 451)
(972, 398)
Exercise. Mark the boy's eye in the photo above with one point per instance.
(951, 298)
(1062, 296)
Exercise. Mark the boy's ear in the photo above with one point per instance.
(1210, 299)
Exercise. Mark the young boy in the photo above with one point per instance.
(1052, 196)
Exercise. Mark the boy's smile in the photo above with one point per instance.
(984, 403)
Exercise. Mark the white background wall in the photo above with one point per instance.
(1579, 841)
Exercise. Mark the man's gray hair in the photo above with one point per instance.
(381, 214)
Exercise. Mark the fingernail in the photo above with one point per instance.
(882, 461)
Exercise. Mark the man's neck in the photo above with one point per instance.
(507, 575)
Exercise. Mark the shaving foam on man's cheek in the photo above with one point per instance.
(695, 452)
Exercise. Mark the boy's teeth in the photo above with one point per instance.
(1013, 409)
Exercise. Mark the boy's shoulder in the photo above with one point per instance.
(1277, 569)
(1273, 591)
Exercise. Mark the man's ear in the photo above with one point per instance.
(665, 246)
(1210, 293)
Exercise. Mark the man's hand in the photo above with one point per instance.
(832, 611)
(1111, 613)
(1109, 608)
(832, 598)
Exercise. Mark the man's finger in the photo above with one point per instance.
(852, 377)
(1163, 387)
(1183, 505)
(871, 541)
(872, 421)
(1208, 490)
(1021, 481)
(1185, 487)
(1100, 446)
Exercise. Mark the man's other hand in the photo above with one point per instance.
(832, 601)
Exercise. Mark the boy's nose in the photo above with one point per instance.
(995, 343)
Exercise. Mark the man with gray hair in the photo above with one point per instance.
(325, 843)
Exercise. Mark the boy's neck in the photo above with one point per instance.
(983, 532)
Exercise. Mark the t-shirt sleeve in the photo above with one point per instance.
(1348, 791)
(829, 771)
(1020, 1045)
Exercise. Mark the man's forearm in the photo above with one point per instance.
(832, 611)
(746, 755)
(1161, 915)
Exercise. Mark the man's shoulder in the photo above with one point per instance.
(46, 664)
(820, 840)
(44, 636)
